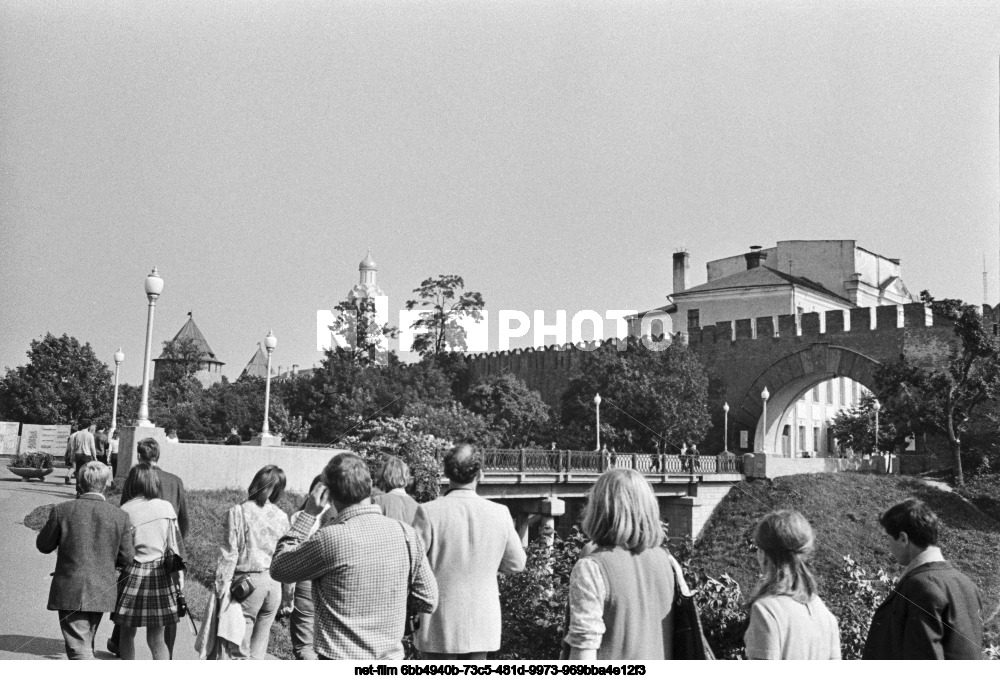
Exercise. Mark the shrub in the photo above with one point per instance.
(31, 460)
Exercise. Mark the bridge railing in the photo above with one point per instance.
(500, 461)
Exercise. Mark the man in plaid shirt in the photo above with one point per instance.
(364, 566)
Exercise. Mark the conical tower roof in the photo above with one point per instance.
(190, 331)
(257, 367)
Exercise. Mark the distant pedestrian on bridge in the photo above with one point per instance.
(468, 540)
(93, 538)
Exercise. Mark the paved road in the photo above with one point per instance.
(27, 629)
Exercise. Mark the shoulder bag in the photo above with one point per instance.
(689, 642)
(412, 623)
(242, 587)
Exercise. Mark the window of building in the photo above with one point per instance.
(816, 394)
(694, 321)
(802, 437)
(829, 392)
(843, 391)
(816, 439)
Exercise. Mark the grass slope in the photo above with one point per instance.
(843, 509)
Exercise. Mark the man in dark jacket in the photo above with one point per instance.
(171, 490)
(934, 611)
(93, 538)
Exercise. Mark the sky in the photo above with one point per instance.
(553, 154)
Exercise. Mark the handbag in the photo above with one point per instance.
(689, 642)
(241, 587)
(412, 623)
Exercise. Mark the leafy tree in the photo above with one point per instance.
(402, 437)
(453, 423)
(653, 400)
(439, 329)
(855, 428)
(515, 413)
(357, 326)
(62, 382)
(946, 398)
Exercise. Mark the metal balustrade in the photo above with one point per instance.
(504, 462)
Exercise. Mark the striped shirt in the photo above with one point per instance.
(360, 565)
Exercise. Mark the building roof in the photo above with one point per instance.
(257, 367)
(761, 276)
(668, 308)
(190, 331)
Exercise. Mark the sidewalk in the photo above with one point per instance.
(27, 629)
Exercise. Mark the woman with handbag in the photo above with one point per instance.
(148, 590)
(788, 620)
(621, 591)
(252, 530)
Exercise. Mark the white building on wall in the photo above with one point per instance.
(793, 277)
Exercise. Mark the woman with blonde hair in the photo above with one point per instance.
(621, 591)
(393, 479)
(788, 620)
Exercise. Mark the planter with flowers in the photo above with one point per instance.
(31, 465)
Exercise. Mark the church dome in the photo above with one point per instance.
(368, 264)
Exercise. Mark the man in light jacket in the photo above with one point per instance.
(93, 538)
(468, 539)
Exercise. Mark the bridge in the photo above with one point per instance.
(550, 486)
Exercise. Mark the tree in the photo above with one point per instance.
(945, 398)
(515, 413)
(439, 329)
(364, 339)
(653, 400)
(855, 428)
(63, 381)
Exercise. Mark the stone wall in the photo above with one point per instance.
(217, 467)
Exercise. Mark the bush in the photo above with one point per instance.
(533, 602)
(31, 461)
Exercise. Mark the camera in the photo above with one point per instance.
(182, 606)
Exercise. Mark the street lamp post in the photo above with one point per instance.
(725, 427)
(597, 403)
(876, 406)
(119, 357)
(270, 342)
(154, 286)
(764, 395)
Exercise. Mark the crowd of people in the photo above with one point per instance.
(356, 569)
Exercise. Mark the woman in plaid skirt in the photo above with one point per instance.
(147, 594)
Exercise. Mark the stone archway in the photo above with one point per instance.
(789, 378)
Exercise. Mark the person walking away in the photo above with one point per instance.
(113, 455)
(252, 530)
(171, 490)
(367, 570)
(934, 611)
(393, 479)
(93, 538)
(68, 458)
(621, 592)
(148, 592)
(82, 445)
(468, 540)
(101, 444)
(788, 620)
(303, 617)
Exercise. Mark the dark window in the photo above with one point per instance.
(816, 439)
(693, 320)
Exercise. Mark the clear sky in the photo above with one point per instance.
(554, 154)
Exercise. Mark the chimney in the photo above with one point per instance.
(755, 257)
(681, 265)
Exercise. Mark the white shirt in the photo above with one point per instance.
(929, 555)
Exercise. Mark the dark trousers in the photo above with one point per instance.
(302, 622)
(79, 629)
